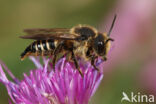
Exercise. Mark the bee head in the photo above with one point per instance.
(102, 45)
(102, 42)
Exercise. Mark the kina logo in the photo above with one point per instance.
(139, 98)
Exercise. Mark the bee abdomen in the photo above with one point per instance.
(39, 48)
(26, 52)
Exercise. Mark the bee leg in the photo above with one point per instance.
(93, 62)
(76, 63)
(54, 61)
(56, 51)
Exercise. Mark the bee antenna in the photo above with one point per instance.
(110, 30)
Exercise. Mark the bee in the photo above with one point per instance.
(79, 41)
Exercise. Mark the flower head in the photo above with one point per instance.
(44, 86)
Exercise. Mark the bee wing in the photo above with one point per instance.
(43, 31)
(63, 36)
(50, 36)
(55, 33)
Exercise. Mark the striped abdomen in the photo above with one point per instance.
(40, 48)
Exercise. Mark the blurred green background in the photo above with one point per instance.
(17, 15)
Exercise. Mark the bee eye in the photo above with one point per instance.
(99, 45)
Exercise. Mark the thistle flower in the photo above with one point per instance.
(44, 86)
